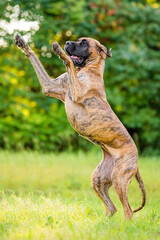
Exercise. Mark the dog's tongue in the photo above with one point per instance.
(75, 57)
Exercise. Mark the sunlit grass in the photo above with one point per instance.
(48, 196)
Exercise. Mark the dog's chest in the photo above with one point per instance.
(86, 115)
(76, 114)
(90, 108)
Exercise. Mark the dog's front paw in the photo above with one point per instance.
(56, 48)
(21, 43)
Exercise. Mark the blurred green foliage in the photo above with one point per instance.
(132, 76)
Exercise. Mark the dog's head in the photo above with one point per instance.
(86, 50)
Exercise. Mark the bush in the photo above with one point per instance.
(31, 120)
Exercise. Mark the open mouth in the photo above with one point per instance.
(76, 59)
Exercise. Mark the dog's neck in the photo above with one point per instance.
(95, 65)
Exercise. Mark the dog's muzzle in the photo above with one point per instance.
(70, 48)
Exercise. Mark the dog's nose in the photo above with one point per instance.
(69, 43)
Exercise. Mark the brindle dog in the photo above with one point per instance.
(82, 91)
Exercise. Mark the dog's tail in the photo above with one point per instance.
(141, 185)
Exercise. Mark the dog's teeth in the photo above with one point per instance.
(75, 57)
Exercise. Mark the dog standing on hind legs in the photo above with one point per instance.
(82, 91)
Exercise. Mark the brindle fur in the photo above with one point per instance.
(82, 91)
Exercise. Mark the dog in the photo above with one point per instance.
(83, 93)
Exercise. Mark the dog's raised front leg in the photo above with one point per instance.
(51, 87)
(76, 87)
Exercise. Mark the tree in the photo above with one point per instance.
(131, 78)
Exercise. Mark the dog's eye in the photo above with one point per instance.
(83, 42)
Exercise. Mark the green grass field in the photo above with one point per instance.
(49, 196)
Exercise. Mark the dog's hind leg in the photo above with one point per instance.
(124, 171)
(101, 182)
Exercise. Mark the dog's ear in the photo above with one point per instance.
(103, 51)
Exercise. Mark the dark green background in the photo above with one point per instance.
(132, 76)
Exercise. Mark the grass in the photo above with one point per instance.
(48, 196)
